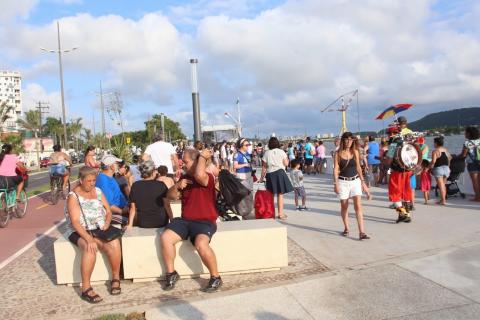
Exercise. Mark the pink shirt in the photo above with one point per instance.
(321, 151)
(8, 166)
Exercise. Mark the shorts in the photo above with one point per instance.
(318, 161)
(57, 169)
(308, 161)
(374, 168)
(473, 167)
(442, 171)
(349, 189)
(74, 237)
(188, 229)
(399, 188)
(7, 182)
(300, 192)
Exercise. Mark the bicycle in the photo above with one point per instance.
(9, 206)
(56, 187)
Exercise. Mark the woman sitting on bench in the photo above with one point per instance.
(88, 210)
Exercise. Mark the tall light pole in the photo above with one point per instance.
(237, 124)
(197, 135)
(60, 51)
(162, 122)
(239, 119)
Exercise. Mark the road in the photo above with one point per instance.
(41, 216)
(38, 179)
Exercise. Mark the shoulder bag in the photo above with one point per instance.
(108, 235)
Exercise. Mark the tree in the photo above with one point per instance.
(88, 136)
(31, 122)
(4, 113)
(75, 129)
(172, 128)
(52, 127)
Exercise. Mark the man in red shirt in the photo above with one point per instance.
(196, 188)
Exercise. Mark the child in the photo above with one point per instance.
(296, 176)
(426, 180)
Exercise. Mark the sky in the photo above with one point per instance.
(284, 60)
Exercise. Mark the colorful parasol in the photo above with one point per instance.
(393, 110)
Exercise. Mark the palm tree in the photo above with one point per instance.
(88, 136)
(4, 113)
(31, 122)
(75, 129)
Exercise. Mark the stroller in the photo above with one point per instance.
(457, 167)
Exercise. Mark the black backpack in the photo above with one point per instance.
(231, 189)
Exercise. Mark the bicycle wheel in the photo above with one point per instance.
(4, 213)
(54, 191)
(21, 209)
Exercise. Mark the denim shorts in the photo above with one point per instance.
(58, 169)
(442, 171)
(473, 167)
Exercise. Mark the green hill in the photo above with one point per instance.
(451, 118)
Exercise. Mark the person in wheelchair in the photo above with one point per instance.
(8, 164)
(59, 161)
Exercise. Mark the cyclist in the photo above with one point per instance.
(59, 161)
(8, 163)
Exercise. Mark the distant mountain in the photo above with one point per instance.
(450, 118)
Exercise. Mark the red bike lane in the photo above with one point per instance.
(41, 216)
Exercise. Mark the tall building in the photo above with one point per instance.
(10, 91)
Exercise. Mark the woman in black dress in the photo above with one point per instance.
(147, 199)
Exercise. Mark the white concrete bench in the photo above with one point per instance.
(67, 263)
(240, 247)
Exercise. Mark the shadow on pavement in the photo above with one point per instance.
(179, 308)
(269, 316)
(47, 260)
(352, 215)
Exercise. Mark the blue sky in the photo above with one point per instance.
(286, 60)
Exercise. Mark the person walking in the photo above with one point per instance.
(320, 156)
(90, 158)
(471, 153)
(273, 169)
(296, 177)
(349, 182)
(309, 155)
(440, 167)
(242, 163)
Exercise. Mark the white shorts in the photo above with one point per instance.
(349, 189)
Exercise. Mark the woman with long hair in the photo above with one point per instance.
(90, 158)
(440, 166)
(349, 182)
(8, 164)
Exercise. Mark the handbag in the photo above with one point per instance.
(108, 235)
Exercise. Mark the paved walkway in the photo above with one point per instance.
(428, 269)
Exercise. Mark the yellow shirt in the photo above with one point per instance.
(405, 131)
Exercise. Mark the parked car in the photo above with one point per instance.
(44, 162)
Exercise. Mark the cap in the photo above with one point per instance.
(110, 159)
(402, 120)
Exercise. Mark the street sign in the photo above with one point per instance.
(128, 140)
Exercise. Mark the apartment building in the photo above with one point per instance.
(10, 91)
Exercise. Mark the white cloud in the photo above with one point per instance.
(34, 93)
(10, 9)
(285, 63)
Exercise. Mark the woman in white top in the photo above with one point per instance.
(273, 168)
(94, 213)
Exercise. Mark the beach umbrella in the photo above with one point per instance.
(393, 110)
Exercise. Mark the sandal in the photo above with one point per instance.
(283, 217)
(115, 291)
(345, 233)
(91, 299)
(363, 236)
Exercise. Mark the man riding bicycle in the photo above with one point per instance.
(59, 161)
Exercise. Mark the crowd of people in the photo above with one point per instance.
(138, 194)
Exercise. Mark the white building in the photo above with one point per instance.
(10, 91)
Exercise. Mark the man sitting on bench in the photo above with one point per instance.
(198, 222)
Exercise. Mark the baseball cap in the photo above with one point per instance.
(110, 159)
(402, 119)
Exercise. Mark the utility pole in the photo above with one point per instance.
(102, 106)
(197, 135)
(40, 107)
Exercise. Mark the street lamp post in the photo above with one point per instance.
(196, 102)
(60, 51)
(237, 124)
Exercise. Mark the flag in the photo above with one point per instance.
(393, 110)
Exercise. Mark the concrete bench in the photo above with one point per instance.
(240, 247)
(67, 263)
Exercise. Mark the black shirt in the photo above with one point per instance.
(148, 198)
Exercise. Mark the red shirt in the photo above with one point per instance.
(198, 202)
